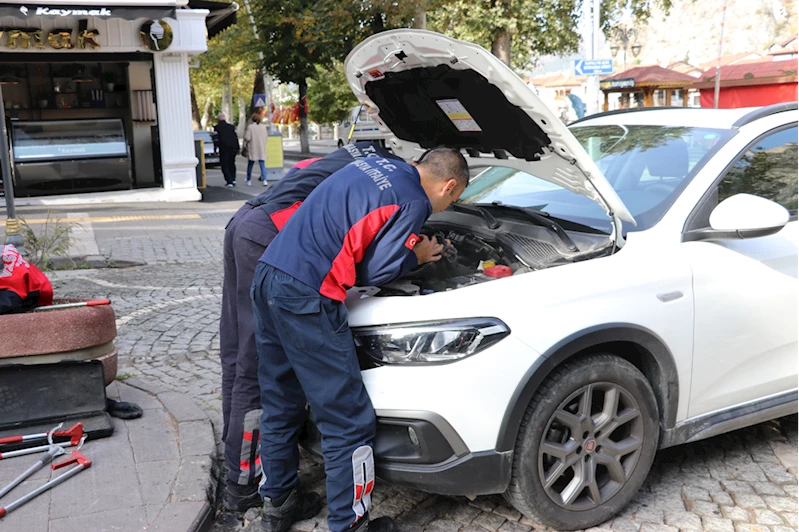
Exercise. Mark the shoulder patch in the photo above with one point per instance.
(412, 241)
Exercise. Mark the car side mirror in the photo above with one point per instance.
(742, 216)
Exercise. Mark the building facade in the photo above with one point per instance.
(97, 98)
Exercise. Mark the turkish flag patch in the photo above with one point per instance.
(412, 241)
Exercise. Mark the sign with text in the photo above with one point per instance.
(627, 83)
(592, 67)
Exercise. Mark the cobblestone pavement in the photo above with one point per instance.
(168, 332)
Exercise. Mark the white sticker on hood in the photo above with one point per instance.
(456, 112)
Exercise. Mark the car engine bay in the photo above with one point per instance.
(486, 251)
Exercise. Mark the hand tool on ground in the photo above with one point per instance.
(75, 457)
(52, 451)
(74, 434)
(90, 303)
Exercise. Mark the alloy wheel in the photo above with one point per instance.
(591, 446)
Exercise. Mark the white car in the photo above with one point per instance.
(652, 299)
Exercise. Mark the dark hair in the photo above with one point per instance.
(446, 163)
(256, 118)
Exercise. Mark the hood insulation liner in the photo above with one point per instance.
(409, 106)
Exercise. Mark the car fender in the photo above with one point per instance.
(628, 340)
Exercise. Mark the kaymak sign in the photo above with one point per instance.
(77, 11)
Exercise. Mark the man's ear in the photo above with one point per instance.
(450, 186)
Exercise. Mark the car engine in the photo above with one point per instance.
(480, 256)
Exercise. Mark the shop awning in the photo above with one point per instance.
(58, 10)
(222, 16)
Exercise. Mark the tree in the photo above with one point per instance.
(224, 65)
(515, 29)
(330, 97)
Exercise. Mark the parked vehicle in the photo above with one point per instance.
(365, 128)
(652, 301)
(209, 148)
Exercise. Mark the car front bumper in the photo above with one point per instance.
(422, 451)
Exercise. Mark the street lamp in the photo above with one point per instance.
(623, 37)
(12, 224)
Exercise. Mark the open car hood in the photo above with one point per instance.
(424, 89)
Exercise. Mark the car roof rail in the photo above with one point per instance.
(622, 111)
(763, 112)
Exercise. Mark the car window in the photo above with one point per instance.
(768, 169)
(648, 166)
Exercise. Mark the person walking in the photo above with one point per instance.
(367, 216)
(247, 235)
(255, 144)
(228, 144)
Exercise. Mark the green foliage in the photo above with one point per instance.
(231, 58)
(329, 96)
(537, 27)
(51, 242)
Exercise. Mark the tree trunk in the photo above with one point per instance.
(227, 101)
(304, 146)
(377, 23)
(242, 118)
(206, 113)
(257, 88)
(420, 18)
(195, 111)
(501, 47)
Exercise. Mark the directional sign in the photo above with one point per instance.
(590, 67)
(259, 100)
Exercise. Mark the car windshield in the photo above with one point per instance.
(648, 166)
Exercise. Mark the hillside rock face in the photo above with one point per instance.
(690, 32)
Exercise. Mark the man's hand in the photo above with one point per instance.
(427, 250)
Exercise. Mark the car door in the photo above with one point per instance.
(745, 291)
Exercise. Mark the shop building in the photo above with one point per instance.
(97, 97)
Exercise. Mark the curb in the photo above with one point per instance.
(194, 491)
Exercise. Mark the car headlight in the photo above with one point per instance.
(430, 342)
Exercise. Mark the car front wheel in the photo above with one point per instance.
(586, 443)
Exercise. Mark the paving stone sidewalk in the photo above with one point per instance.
(168, 324)
(154, 473)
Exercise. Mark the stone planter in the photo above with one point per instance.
(81, 333)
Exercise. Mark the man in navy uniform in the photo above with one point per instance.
(364, 220)
(247, 235)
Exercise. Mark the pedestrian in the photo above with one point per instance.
(247, 235)
(367, 216)
(228, 144)
(255, 146)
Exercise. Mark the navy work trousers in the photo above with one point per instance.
(247, 235)
(306, 355)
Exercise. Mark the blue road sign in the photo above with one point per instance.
(590, 67)
(259, 100)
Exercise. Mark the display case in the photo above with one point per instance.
(70, 156)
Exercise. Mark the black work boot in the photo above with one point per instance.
(241, 497)
(381, 524)
(282, 512)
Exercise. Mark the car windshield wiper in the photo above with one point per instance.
(541, 218)
(472, 209)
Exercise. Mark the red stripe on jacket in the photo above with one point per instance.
(358, 238)
(279, 218)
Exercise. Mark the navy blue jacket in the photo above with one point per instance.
(226, 136)
(283, 198)
(366, 215)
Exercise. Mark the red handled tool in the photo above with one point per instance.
(76, 457)
(90, 303)
(74, 434)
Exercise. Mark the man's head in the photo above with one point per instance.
(444, 174)
(221, 117)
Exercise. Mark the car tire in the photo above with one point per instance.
(599, 461)
(340, 143)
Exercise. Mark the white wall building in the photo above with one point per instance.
(97, 97)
